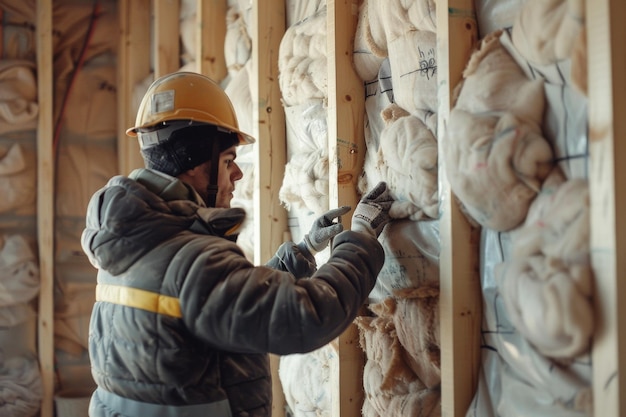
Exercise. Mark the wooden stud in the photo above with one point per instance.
(133, 66)
(607, 181)
(267, 29)
(166, 43)
(460, 297)
(346, 154)
(45, 203)
(269, 118)
(211, 22)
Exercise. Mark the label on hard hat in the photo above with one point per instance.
(162, 101)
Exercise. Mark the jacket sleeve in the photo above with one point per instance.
(290, 258)
(232, 305)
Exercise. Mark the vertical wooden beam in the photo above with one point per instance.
(211, 19)
(607, 181)
(346, 106)
(268, 28)
(166, 43)
(269, 123)
(45, 203)
(346, 147)
(460, 299)
(134, 65)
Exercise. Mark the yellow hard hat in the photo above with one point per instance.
(187, 96)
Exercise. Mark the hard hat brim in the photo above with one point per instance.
(244, 138)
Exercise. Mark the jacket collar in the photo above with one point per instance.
(218, 221)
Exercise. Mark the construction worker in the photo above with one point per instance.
(183, 322)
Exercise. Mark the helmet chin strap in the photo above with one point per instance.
(215, 160)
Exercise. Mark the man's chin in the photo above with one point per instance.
(224, 202)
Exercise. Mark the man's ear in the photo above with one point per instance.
(197, 170)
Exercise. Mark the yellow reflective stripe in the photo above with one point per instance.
(142, 299)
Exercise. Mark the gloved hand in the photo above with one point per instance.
(372, 213)
(322, 230)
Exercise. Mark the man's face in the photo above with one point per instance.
(228, 173)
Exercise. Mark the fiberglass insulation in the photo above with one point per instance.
(496, 156)
(391, 386)
(535, 278)
(395, 56)
(396, 42)
(303, 84)
(546, 285)
(20, 383)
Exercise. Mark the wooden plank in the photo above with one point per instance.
(607, 180)
(45, 203)
(460, 299)
(268, 27)
(133, 66)
(346, 147)
(166, 41)
(211, 19)
(269, 126)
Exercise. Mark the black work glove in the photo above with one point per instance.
(322, 230)
(372, 213)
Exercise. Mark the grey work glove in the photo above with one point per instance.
(372, 213)
(322, 230)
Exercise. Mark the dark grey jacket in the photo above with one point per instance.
(182, 317)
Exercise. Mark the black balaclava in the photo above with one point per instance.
(184, 148)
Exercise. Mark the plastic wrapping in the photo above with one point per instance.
(515, 378)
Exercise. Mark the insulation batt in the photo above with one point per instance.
(92, 107)
(18, 96)
(401, 34)
(495, 166)
(21, 389)
(82, 168)
(71, 318)
(547, 32)
(238, 51)
(19, 271)
(407, 159)
(496, 156)
(17, 179)
(74, 20)
(19, 37)
(391, 387)
(237, 44)
(187, 21)
(298, 10)
(16, 314)
(493, 82)
(302, 61)
(405, 32)
(366, 62)
(375, 101)
(515, 379)
(547, 283)
(19, 338)
(70, 20)
(306, 381)
(305, 182)
(303, 82)
(411, 257)
(415, 315)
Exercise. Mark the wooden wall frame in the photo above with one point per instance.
(460, 301)
(607, 184)
(45, 204)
